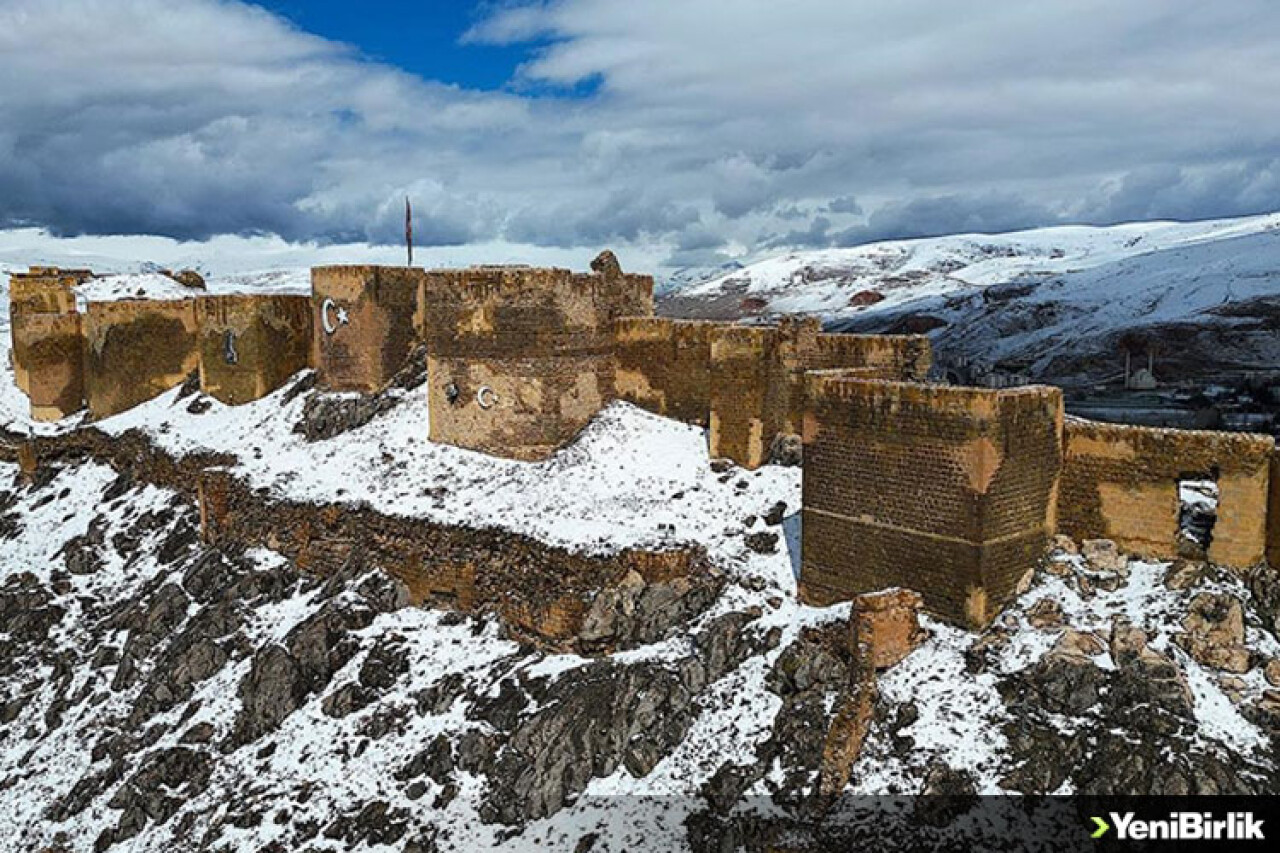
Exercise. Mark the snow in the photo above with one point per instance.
(909, 270)
(630, 479)
(145, 286)
(1030, 297)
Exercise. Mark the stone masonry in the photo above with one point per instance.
(251, 344)
(1121, 483)
(948, 491)
(520, 359)
(364, 324)
(136, 349)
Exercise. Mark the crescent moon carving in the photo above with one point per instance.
(486, 397)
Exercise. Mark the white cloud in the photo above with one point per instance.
(712, 123)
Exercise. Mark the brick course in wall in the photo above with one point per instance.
(364, 324)
(136, 349)
(664, 366)
(251, 344)
(948, 491)
(1121, 483)
(519, 358)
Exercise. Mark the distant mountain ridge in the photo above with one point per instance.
(1053, 303)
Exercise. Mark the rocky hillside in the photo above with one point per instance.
(158, 693)
(1058, 304)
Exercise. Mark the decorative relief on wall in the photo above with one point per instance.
(339, 315)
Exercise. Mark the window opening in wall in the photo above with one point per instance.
(1197, 513)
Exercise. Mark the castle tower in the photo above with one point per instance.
(48, 352)
(521, 358)
(250, 344)
(949, 491)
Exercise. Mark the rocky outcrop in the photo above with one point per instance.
(1214, 632)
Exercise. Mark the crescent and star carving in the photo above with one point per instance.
(339, 313)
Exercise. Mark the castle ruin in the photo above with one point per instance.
(951, 491)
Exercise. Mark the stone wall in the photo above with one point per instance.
(1121, 483)
(251, 344)
(136, 349)
(34, 297)
(365, 322)
(1273, 513)
(50, 350)
(542, 592)
(949, 491)
(520, 359)
(746, 382)
(749, 397)
(664, 366)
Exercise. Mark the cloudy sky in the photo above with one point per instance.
(689, 130)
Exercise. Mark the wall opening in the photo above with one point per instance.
(1197, 512)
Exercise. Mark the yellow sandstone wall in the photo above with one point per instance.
(51, 350)
(42, 292)
(136, 349)
(1273, 513)
(948, 491)
(1121, 482)
(664, 366)
(519, 358)
(746, 382)
(251, 344)
(380, 306)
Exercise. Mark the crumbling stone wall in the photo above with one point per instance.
(136, 349)
(541, 591)
(1273, 513)
(251, 344)
(1121, 483)
(664, 366)
(746, 382)
(42, 311)
(520, 359)
(949, 491)
(365, 322)
(50, 348)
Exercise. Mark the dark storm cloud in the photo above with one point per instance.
(820, 122)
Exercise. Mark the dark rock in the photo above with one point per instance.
(786, 449)
(588, 724)
(606, 264)
(775, 514)
(763, 542)
(325, 416)
(274, 687)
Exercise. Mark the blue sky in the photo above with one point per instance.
(421, 37)
(682, 132)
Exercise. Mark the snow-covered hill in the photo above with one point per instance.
(1052, 302)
